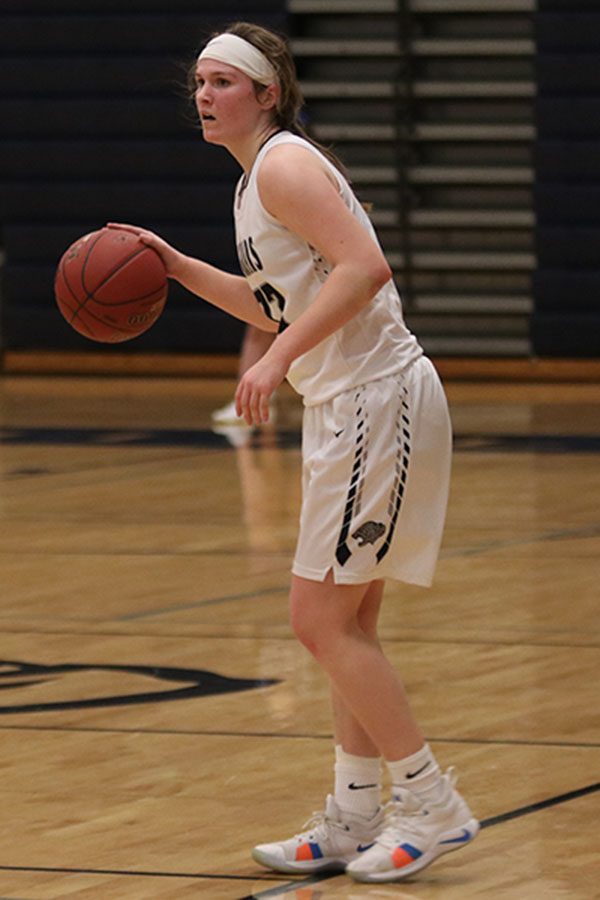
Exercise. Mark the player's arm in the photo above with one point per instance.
(300, 192)
(229, 292)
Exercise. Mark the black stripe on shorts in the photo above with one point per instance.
(357, 477)
(403, 438)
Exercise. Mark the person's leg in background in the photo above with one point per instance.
(255, 344)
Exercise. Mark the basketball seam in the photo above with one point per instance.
(122, 265)
(88, 296)
(85, 262)
(102, 322)
(81, 321)
(74, 312)
(63, 272)
(158, 291)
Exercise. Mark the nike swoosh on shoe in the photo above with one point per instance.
(461, 839)
(361, 849)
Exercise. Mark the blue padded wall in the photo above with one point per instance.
(96, 127)
(566, 319)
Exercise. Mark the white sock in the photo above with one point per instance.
(357, 783)
(419, 773)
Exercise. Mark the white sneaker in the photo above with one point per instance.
(331, 839)
(416, 833)
(227, 415)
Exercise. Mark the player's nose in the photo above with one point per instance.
(203, 94)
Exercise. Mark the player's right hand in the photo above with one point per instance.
(170, 256)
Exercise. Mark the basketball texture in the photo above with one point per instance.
(109, 286)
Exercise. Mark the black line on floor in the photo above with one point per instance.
(476, 742)
(171, 552)
(288, 636)
(474, 642)
(563, 534)
(199, 604)
(282, 438)
(542, 804)
(169, 455)
(290, 886)
(514, 742)
(207, 876)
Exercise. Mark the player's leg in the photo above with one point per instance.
(429, 816)
(348, 731)
(357, 785)
(255, 344)
(419, 790)
(325, 618)
(352, 817)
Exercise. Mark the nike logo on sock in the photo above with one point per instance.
(410, 775)
(360, 787)
(361, 849)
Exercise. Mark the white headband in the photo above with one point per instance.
(235, 51)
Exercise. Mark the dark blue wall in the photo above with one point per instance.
(95, 128)
(566, 319)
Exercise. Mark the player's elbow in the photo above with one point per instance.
(378, 272)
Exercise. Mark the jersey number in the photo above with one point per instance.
(272, 302)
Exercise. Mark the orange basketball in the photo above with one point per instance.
(110, 286)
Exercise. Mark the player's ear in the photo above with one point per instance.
(268, 96)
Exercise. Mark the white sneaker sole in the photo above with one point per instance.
(447, 842)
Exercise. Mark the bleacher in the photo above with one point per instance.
(430, 103)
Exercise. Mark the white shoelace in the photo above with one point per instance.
(316, 826)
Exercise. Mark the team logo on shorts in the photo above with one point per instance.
(368, 533)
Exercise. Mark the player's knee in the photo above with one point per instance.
(303, 627)
(308, 630)
(320, 638)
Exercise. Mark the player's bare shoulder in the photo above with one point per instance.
(288, 171)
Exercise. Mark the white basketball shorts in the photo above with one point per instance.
(376, 474)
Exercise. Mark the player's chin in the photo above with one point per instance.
(213, 139)
(210, 133)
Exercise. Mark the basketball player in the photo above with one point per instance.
(376, 450)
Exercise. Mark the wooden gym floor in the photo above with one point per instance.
(157, 716)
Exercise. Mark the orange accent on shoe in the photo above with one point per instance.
(401, 858)
(304, 853)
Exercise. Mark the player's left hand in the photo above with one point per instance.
(257, 386)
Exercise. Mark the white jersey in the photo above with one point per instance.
(286, 273)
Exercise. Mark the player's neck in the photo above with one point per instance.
(246, 152)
